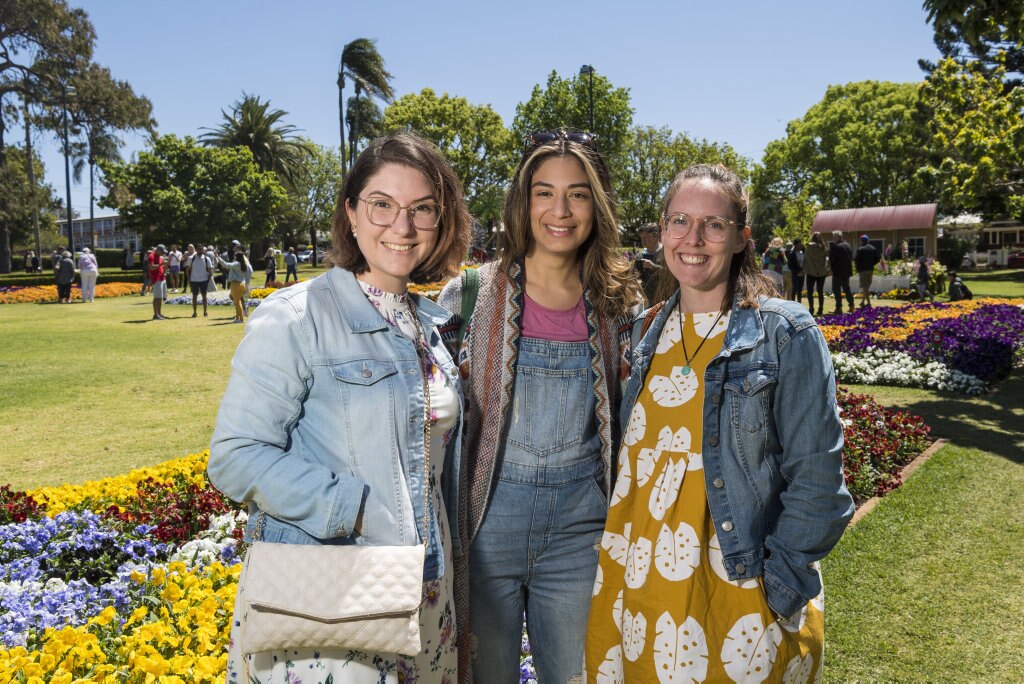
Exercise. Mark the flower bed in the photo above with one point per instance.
(961, 346)
(133, 577)
(16, 294)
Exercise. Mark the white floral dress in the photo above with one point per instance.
(438, 661)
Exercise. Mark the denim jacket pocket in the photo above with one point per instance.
(750, 397)
(363, 371)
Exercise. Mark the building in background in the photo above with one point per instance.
(109, 234)
(884, 226)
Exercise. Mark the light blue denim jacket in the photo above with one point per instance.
(323, 416)
(772, 446)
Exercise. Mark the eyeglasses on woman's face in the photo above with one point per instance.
(711, 228)
(544, 137)
(383, 211)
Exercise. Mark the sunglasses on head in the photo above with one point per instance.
(578, 137)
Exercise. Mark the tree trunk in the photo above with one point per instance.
(341, 117)
(312, 241)
(92, 216)
(5, 232)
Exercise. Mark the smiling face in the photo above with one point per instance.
(392, 253)
(700, 266)
(561, 207)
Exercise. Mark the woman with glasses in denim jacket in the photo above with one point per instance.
(324, 430)
(541, 362)
(730, 479)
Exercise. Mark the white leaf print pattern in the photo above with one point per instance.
(675, 389)
(702, 324)
(669, 334)
(677, 554)
(638, 563)
(598, 581)
(680, 655)
(749, 650)
(637, 426)
(795, 622)
(666, 487)
(799, 670)
(718, 565)
(645, 462)
(617, 611)
(634, 635)
(617, 544)
(623, 479)
(696, 461)
(610, 671)
(680, 441)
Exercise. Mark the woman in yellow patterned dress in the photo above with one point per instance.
(730, 485)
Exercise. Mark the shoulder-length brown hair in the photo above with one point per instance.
(413, 151)
(606, 273)
(745, 278)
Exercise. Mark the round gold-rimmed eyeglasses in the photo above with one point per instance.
(384, 211)
(711, 228)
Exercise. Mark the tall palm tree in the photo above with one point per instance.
(361, 63)
(101, 145)
(253, 124)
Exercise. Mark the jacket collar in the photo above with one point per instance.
(746, 328)
(361, 316)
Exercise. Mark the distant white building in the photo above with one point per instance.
(109, 234)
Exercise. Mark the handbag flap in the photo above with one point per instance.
(334, 583)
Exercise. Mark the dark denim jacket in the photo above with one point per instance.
(772, 446)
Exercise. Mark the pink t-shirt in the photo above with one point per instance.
(543, 323)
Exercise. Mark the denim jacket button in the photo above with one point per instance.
(740, 568)
(746, 385)
(713, 441)
(719, 483)
(366, 372)
(727, 526)
(716, 397)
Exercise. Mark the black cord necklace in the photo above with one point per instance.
(682, 338)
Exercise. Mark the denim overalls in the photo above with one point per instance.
(537, 546)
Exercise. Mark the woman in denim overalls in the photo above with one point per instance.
(541, 358)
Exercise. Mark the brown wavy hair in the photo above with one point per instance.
(606, 273)
(745, 278)
(407, 149)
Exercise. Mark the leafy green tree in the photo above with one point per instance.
(988, 31)
(41, 42)
(180, 191)
(799, 213)
(472, 138)
(565, 102)
(275, 146)
(23, 199)
(651, 161)
(365, 122)
(861, 146)
(364, 66)
(977, 134)
(309, 211)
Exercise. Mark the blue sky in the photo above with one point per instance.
(729, 71)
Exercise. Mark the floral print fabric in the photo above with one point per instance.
(438, 660)
(664, 609)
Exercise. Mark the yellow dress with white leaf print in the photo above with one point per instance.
(664, 609)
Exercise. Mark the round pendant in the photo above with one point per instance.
(686, 370)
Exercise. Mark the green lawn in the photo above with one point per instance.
(926, 588)
(1007, 282)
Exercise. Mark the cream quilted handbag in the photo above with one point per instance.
(365, 598)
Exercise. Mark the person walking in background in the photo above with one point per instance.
(356, 438)
(730, 479)
(88, 271)
(64, 274)
(173, 267)
(866, 258)
(773, 263)
(290, 265)
(541, 361)
(239, 271)
(37, 266)
(840, 260)
(156, 266)
(186, 266)
(200, 276)
(28, 261)
(816, 269)
(648, 264)
(271, 266)
(795, 257)
(147, 280)
(922, 280)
